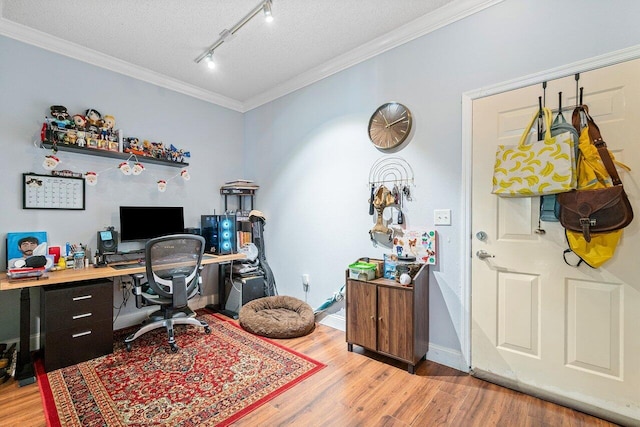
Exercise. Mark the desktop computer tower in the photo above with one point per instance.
(219, 232)
(242, 290)
(226, 234)
(209, 230)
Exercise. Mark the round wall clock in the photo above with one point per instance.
(389, 126)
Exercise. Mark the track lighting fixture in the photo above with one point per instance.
(209, 60)
(226, 35)
(267, 11)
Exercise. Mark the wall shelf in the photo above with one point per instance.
(114, 155)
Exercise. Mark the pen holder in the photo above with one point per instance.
(78, 260)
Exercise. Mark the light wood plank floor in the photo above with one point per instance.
(363, 389)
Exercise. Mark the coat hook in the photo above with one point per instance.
(560, 101)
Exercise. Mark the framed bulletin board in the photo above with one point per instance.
(52, 192)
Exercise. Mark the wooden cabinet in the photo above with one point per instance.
(388, 318)
(77, 322)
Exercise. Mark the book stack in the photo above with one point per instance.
(241, 183)
(239, 187)
(25, 273)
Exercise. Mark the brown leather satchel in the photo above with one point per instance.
(595, 211)
(598, 210)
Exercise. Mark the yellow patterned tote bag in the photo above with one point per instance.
(538, 168)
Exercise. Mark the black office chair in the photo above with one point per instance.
(173, 265)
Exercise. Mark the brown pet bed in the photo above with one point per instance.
(277, 317)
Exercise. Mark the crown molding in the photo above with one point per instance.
(81, 53)
(446, 15)
(426, 24)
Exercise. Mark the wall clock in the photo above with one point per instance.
(390, 125)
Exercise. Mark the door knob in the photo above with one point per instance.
(482, 254)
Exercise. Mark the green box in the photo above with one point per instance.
(362, 271)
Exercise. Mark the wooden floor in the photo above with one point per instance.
(363, 389)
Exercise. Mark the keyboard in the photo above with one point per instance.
(125, 266)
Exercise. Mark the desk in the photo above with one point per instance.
(24, 366)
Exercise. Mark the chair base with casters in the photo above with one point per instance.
(156, 320)
(173, 265)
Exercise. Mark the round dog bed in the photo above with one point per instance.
(277, 317)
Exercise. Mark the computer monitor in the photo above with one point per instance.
(146, 222)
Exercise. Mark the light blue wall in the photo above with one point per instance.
(309, 150)
(32, 79)
(311, 153)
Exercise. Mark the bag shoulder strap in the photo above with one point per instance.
(547, 121)
(596, 139)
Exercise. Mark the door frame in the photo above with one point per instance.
(468, 97)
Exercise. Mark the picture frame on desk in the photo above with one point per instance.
(21, 246)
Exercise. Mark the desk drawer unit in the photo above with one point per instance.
(77, 322)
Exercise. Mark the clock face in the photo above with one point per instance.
(390, 125)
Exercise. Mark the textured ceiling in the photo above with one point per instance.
(158, 40)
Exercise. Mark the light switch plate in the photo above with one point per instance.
(442, 217)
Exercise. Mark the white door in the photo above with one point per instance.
(573, 332)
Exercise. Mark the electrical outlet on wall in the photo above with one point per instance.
(442, 217)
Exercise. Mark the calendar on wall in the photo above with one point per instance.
(52, 192)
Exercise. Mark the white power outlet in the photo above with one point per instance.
(442, 217)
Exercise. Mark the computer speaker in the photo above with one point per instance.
(107, 242)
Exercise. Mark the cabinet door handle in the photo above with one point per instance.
(80, 316)
(80, 334)
(81, 298)
(373, 318)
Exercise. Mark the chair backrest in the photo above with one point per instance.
(173, 263)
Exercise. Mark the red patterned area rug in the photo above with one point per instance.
(213, 379)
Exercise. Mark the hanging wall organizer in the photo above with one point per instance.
(390, 182)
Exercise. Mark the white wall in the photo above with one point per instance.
(308, 151)
(311, 154)
(31, 80)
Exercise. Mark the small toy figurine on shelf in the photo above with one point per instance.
(79, 121)
(113, 142)
(107, 126)
(147, 147)
(94, 120)
(158, 150)
(72, 134)
(80, 138)
(60, 116)
(132, 145)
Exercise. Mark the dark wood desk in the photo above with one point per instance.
(24, 366)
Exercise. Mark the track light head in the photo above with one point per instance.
(209, 60)
(267, 11)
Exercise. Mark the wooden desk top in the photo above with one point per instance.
(90, 273)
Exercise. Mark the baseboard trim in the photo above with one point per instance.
(447, 356)
(438, 354)
(334, 321)
(559, 399)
